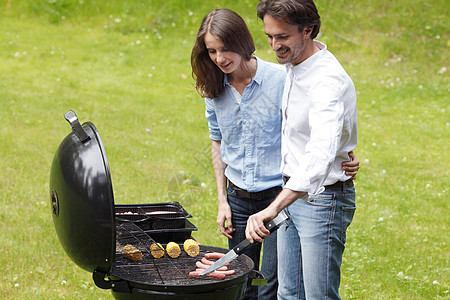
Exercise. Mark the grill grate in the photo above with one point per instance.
(162, 271)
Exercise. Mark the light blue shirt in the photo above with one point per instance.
(250, 129)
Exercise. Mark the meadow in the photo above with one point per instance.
(125, 66)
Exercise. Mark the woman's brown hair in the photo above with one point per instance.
(231, 29)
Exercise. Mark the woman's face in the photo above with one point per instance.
(227, 61)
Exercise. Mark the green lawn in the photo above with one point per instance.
(125, 66)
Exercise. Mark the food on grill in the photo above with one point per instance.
(210, 262)
(131, 252)
(200, 265)
(157, 250)
(191, 247)
(227, 272)
(213, 274)
(173, 250)
(214, 255)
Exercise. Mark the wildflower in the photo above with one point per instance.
(380, 219)
(63, 282)
(435, 282)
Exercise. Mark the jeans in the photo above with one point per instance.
(310, 249)
(241, 209)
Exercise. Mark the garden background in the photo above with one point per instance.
(125, 66)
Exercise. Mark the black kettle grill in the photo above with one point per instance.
(92, 230)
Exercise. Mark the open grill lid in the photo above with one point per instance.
(82, 197)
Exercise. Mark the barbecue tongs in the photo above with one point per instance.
(233, 253)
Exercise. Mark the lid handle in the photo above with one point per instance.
(72, 118)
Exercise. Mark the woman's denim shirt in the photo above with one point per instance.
(250, 131)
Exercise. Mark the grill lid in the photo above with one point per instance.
(82, 197)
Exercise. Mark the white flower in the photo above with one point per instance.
(435, 282)
(442, 70)
(16, 285)
(191, 13)
(63, 282)
(203, 184)
(117, 20)
(380, 219)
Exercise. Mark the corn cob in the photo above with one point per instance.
(157, 250)
(173, 250)
(131, 252)
(191, 247)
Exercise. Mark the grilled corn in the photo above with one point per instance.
(157, 250)
(131, 252)
(191, 247)
(173, 250)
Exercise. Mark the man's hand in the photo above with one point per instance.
(351, 167)
(256, 231)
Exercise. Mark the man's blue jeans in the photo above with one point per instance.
(310, 249)
(241, 209)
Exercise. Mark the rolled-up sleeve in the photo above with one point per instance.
(213, 125)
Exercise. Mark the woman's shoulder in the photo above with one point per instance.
(271, 66)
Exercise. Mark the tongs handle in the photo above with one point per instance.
(271, 226)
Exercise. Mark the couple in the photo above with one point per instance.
(262, 116)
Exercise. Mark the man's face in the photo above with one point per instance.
(285, 40)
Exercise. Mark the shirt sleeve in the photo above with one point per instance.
(326, 117)
(213, 125)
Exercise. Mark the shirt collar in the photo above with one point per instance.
(259, 72)
(307, 63)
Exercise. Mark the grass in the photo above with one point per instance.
(125, 66)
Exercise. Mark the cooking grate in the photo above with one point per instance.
(162, 271)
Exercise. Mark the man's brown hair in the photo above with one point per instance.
(296, 12)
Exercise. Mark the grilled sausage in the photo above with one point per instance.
(209, 262)
(200, 265)
(214, 255)
(213, 274)
(227, 272)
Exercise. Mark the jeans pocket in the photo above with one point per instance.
(323, 200)
(346, 218)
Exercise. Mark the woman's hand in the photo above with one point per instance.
(351, 167)
(224, 219)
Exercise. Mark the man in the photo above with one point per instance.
(319, 129)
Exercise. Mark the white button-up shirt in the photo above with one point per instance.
(319, 122)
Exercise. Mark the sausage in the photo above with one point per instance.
(209, 262)
(213, 274)
(200, 265)
(227, 272)
(214, 255)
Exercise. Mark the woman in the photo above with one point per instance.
(243, 107)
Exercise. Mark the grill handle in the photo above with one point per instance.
(101, 281)
(72, 118)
